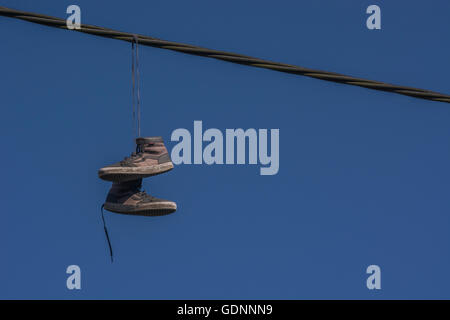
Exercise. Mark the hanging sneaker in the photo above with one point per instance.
(151, 158)
(127, 198)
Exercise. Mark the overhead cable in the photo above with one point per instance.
(226, 56)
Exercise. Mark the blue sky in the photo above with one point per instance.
(364, 175)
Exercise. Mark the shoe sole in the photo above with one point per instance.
(150, 209)
(120, 174)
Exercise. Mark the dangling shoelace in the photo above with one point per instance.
(135, 79)
(107, 235)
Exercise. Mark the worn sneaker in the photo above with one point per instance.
(127, 198)
(151, 158)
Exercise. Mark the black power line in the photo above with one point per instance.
(227, 56)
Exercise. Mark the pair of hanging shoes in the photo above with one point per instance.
(125, 196)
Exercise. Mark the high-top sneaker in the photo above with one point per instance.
(151, 158)
(127, 198)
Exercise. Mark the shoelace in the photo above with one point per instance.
(136, 86)
(107, 235)
(144, 196)
(133, 156)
